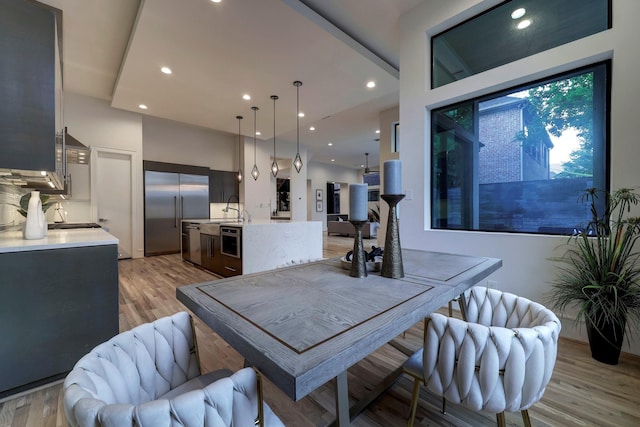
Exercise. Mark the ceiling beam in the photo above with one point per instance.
(350, 40)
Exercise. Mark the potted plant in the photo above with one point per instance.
(374, 214)
(599, 274)
(24, 203)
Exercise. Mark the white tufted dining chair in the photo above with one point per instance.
(500, 358)
(150, 377)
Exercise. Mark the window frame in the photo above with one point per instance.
(433, 39)
(472, 201)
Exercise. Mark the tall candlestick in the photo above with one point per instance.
(392, 177)
(358, 202)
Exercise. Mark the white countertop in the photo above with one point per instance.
(231, 223)
(12, 241)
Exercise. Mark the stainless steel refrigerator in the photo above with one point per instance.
(168, 199)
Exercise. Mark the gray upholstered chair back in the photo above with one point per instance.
(150, 377)
(499, 359)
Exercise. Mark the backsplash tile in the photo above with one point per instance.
(10, 219)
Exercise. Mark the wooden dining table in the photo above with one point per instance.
(304, 325)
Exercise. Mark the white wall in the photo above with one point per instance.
(174, 142)
(319, 174)
(387, 120)
(94, 123)
(260, 195)
(526, 269)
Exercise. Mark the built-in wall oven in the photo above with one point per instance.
(231, 241)
(231, 249)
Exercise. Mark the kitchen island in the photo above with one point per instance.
(58, 299)
(272, 244)
(230, 248)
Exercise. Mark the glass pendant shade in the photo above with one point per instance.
(255, 173)
(274, 165)
(297, 162)
(239, 176)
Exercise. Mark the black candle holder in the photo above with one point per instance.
(358, 259)
(392, 255)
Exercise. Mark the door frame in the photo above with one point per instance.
(134, 192)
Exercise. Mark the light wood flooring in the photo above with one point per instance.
(582, 392)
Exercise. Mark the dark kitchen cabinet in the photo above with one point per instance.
(222, 185)
(210, 250)
(28, 87)
(55, 306)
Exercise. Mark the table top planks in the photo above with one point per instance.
(303, 325)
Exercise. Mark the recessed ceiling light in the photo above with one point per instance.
(246, 97)
(258, 133)
(330, 144)
(300, 114)
(166, 70)
(312, 128)
(216, 1)
(333, 160)
(378, 131)
(371, 84)
(518, 13)
(524, 24)
(142, 107)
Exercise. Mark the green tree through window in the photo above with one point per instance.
(491, 156)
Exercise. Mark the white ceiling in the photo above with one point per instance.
(113, 50)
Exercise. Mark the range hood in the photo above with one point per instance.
(68, 150)
(77, 152)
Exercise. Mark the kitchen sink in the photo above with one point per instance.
(71, 225)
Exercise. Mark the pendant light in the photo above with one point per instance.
(366, 158)
(239, 176)
(297, 162)
(274, 165)
(255, 173)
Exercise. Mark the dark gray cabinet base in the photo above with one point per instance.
(55, 306)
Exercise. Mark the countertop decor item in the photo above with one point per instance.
(372, 266)
(392, 255)
(23, 205)
(599, 273)
(36, 226)
(392, 177)
(359, 261)
(358, 202)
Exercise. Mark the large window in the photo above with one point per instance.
(518, 160)
(513, 30)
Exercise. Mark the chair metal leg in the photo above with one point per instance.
(414, 401)
(260, 420)
(444, 406)
(502, 422)
(451, 308)
(525, 418)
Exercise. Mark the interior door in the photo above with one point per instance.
(114, 200)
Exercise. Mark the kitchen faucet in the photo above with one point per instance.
(226, 209)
